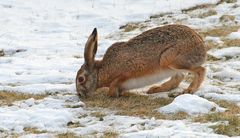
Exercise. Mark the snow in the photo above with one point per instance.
(225, 52)
(43, 42)
(234, 35)
(190, 104)
(177, 130)
(227, 74)
(214, 39)
(228, 97)
(47, 114)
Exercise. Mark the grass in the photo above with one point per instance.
(202, 6)
(230, 42)
(110, 134)
(132, 105)
(1, 53)
(222, 32)
(227, 18)
(106, 134)
(219, 31)
(132, 26)
(210, 12)
(227, 1)
(34, 130)
(98, 114)
(231, 116)
(211, 58)
(159, 15)
(7, 98)
(74, 124)
(67, 135)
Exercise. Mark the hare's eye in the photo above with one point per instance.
(81, 79)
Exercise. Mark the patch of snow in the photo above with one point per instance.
(214, 39)
(206, 88)
(191, 104)
(127, 126)
(234, 35)
(47, 114)
(225, 52)
(174, 129)
(227, 74)
(37, 136)
(227, 97)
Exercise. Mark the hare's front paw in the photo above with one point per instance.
(155, 89)
(189, 91)
(174, 94)
(113, 92)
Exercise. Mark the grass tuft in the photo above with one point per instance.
(227, 18)
(220, 31)
(132, 105)
(110, 134)
(208, 13)
(202, 6)
(226, 1)
(67, 135)
(231, 116)
(7, 98)
(34, 130)
(132, 26)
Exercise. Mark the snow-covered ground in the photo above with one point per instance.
(43, 42)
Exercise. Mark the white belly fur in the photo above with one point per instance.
(148, 79)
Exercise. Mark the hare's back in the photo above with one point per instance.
(145, 50)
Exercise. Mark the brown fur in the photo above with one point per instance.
(171, 47)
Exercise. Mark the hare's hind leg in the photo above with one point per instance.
(169, 85)
(199, 74)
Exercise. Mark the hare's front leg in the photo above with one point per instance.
(169, 85)
(114, 89)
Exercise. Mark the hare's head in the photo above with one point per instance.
(86, 79)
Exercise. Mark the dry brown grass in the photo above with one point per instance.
(132, 105)
(230, 42)
(132, 26)
(227, 1)
(7, 98)
(68, 135)
(110, 134)
(202, 6)
(233, 126)
(227, 18)
(34, 130)
(220, 31)
(1, 53)
(211, 58)
(98, 114)
(160, 15)
(74, 124)
(210, 12)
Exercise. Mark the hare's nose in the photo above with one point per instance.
(82, 94)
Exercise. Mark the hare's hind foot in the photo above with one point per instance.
(198, 77)
(169, 85)
(186, 91)
(199, 74)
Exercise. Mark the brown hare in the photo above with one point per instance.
(150, 57)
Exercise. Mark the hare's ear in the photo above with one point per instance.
(91, 49)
